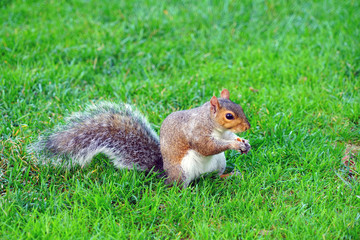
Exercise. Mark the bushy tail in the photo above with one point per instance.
(118, 131)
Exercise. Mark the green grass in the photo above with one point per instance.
(303, 57)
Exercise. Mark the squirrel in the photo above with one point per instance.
(192, 142)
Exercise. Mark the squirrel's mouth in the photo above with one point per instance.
(237, 130)
(240, 128)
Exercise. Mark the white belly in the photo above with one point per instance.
(194, 164)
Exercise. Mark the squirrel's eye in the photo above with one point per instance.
(229, 116)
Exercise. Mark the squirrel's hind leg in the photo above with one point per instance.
(233, 173)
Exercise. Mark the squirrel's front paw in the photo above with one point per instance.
(244, 146)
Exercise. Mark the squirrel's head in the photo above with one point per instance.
(228, 114)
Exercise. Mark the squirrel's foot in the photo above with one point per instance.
(233, 173)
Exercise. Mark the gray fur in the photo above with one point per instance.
(118, 131)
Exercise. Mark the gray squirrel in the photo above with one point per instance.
(192, 142)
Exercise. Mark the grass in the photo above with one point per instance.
(293, 65)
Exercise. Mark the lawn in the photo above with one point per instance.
(294, 67)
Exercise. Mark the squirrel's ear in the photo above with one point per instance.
(225, 94)
(214, 102)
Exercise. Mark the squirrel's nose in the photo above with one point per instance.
(247, 126)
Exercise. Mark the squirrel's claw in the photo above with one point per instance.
(244, 146)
